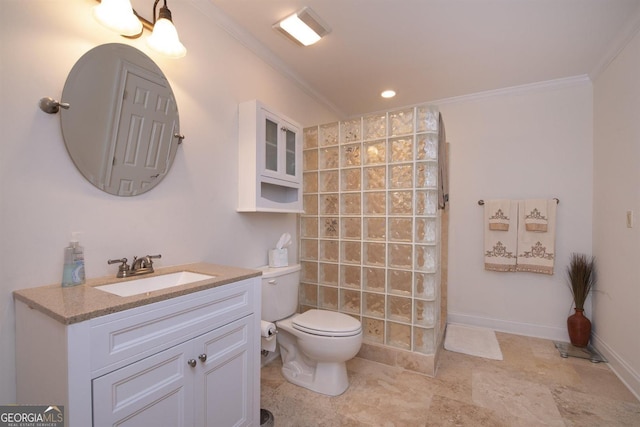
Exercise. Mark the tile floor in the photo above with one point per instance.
(532, 386)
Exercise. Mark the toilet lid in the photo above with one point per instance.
(327, 323)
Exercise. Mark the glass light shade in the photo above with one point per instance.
(165, 40)
(117, 15)
(299, 30)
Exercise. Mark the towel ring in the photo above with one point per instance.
(481, 202)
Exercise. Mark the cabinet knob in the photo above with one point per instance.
(192, 362)
(203, 357)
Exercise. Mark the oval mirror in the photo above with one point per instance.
(122, 127)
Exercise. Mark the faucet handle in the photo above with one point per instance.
(123, 269)
(113, 261)
(154, 256)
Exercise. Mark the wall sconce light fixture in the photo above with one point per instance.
(304, 27)
(119, 16)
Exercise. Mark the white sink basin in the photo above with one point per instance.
(155, 283)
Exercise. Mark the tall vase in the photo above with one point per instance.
(579, 328)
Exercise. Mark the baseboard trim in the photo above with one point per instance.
(517, 328)
(619, 366)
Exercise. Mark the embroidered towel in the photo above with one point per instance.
(499, 215)
(536, 251)
(500, 246)
(536, 215)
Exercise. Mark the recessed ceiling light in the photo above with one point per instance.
(303, 27)
(388, 93)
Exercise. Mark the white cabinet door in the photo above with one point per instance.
(281, 149)
(224, 387)
(156, 391)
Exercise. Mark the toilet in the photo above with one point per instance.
(314, 345)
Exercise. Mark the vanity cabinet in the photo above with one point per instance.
(270, 160)
(192, 360)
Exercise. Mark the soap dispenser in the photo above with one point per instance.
(73, 270)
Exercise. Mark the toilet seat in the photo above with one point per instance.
(327, 323)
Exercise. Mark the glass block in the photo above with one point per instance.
(375, 203)
(351, 252)
(329, 227)
(350, 276)
(400, 229)
(350, 131)
(375, 126)
(426, 175)
(424, 313)
(351, 228)
(425, 285)
(427, 119)
(399, 282)
(309, 226)
(373, 330)
(351, 179)
(401, 176)
(425, 259)
(401, 150)
(329, 250)
(329, 181)
(351, 204)
(309, 249)
(398, 335)
(373, 305)
(329, 158)
(426, 230)
(328, 274)
(426, 202)
(329, 204)
(401, 122)
(400, 256)
(350, 155)
(427, 146)
(401, 203)
(328, 134)
(374, 254)
(310, 160)
(424, 340)
(375, 153)
(349, 301)
(375, 228)
(310, 137)
(374, 279)
(328, 298)
(310, 182)
(309, 271)
(310, 204)
(309, 294)
(399, 308)
(375, 178)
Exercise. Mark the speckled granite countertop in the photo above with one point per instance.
(84, 302)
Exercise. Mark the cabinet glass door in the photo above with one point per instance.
(290, 160)
(271, 146)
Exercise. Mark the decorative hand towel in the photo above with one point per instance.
(499, 217)
(536, 216)
(536, 251)
(500, 246)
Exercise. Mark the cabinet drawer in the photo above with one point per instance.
(121, 338)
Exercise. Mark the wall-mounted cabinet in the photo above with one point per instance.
(270, 160)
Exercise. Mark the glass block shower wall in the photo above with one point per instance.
(370, 232)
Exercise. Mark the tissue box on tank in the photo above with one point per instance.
(278, 258)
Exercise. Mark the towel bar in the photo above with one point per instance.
(481, 202)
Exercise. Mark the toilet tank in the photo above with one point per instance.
(279, 291)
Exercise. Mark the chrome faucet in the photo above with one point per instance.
(142, 265)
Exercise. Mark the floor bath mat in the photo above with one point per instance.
(472, 340)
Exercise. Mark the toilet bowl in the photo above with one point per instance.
(314, 345)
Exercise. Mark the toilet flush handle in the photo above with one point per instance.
(272, 282)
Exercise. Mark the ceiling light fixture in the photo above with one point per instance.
(119, 16)
(388, 93)
(304, 27)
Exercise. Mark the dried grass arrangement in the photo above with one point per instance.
(581, 273)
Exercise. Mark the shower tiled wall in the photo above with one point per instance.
(371, 228)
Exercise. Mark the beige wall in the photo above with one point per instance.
(616, 191)
(189, 217)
